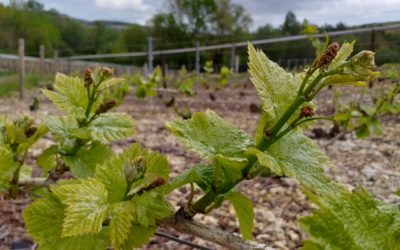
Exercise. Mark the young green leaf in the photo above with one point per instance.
(352, 220)
(245, 213)
(231, 167)
(111, 82)
(61, 127)
(44, 219)
(362, 131)
(209, 135)
(344, 79)
(276, 87)
(86, 206)
(83, 163)
(201, 174)
(70, 94)
(111, 174)
(299, 157)
(7, 166)
(150, 207)
(122, 215)
(111, 126)
(47, 159)
(86, 241)
(138, 236)
(344, 52)
(266, 160)
(375, 126)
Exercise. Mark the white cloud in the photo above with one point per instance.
(122, 4)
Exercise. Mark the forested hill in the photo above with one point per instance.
(58, 31)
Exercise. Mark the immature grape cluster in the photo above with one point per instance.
(88, 77)
(106, 106)
(328, 55)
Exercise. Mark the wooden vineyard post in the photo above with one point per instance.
(237, 63)
(42, 70)
(150, 54)
(145, 69)
(373, 40)
(55, 62)
(69, 65)
(21, 53)
(233, 52)
(197, 62)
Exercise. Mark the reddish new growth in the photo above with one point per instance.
(30, 131)
(329, 54)
(307, 111)
(106, 106)
(159, 182)
(88, 77)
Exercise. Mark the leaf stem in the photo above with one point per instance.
(14, 182)
(295, 124)
(91, 101)
(305, 80)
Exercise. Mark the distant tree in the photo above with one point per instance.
(341, 26)
(266, 31)
(194, 16)
(327, 27)
(101, 38)
(33, 26)
(291, 26)
(134, 38)
(230, 19)
(165, 27)
(203, 17)
(33, 5)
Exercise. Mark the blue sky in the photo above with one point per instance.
(263, 11)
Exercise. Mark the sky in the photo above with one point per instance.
(351, 12)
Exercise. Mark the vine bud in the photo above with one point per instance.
(362, 64)
(106, 106)
(267, 132)
(365, 58)
(30, 131)
(328, 55)
(135, 169)
(307, 111)
(88, 77)
(106, 72)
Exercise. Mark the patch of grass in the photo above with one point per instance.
(6, 73)
(9, 83)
